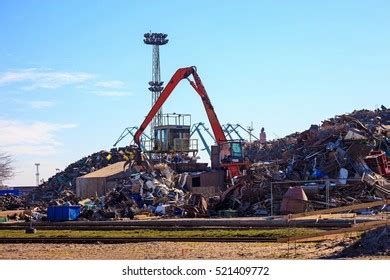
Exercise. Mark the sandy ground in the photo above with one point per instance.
(169, 250)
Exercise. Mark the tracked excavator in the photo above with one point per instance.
(227, 155)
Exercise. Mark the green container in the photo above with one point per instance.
(3, 220)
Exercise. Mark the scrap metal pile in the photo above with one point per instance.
(61, 187)
(340, 162)
(157, 190)
(11, 202)
(367, 124)
(348, 150)
(145, 189)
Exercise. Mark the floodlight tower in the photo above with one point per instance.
(156, 85)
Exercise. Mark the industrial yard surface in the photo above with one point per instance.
(161, 250)
(169, 250)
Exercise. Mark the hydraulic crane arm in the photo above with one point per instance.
(180, 74)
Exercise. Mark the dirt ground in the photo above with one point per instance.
(169, 250)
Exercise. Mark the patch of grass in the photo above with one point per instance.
(261, 233)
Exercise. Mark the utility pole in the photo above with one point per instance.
(250, 129)
(37, 174)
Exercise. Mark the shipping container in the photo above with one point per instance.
(63, 213)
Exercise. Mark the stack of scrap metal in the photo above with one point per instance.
(340, 162)
(154, 192)
(61, 187)
(350, 150)
(12, 202)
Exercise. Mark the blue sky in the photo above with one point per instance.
(73, 74)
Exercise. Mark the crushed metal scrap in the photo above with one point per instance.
(11, 202)
(341, 162)
(61, 187)
(152, 190)
(346, 155)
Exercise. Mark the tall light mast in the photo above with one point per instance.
(155, 85)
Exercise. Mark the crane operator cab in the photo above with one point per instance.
(227, 153)
(172, 137)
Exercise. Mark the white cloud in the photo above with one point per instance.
(113, 84)
(113, 93)
(30, 138)
(33, 78)
(41, 104)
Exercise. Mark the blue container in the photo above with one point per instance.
(13, 192)
(63, 213)
(51, 213)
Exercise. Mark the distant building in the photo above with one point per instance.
(99, 182)
(23, 190)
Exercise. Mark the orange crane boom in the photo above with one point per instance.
(181, 74)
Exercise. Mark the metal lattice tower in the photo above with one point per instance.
(156, 85)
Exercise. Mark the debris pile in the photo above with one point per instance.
(340, 162)
(372, 243)
(377, 241)
(157, 191)
(11, 202)
(251, 194)
(61, 187)
(144, 189)
(317, 143)
(339, 150)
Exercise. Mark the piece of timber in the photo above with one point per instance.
(338, 209)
